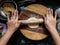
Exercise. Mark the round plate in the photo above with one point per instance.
(33, 10)
(7, 7)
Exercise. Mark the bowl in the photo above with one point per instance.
(7, 8)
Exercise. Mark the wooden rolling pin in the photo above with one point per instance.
(31, 21)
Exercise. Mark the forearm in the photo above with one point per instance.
(55, 36)
(5, 38)
(12, 24)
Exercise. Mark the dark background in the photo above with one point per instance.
(17, 38)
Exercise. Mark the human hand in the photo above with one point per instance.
(13, 23)
(50, 20)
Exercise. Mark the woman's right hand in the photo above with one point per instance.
(50, 20)
(13, 22)
(50, 23)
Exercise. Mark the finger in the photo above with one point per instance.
(55, 15)
(22, 21)
(49, 11)
(16, 14)
(45, 18)
(18, 23)
(8, 17)
(47, 15)
(12, 15)
(52, 11)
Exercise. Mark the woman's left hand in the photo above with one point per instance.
(13, 23)
(50, 20)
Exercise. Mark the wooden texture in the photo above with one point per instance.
(37, 11)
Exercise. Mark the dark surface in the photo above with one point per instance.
(19, 39)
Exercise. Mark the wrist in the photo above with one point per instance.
(11, 30)
(52, 29)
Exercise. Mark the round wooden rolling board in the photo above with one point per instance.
(37, 11)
